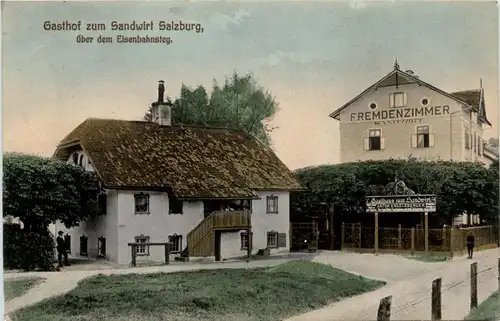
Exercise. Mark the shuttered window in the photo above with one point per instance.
(281, 239)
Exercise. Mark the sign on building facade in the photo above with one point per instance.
(399, 198)
(400, 114)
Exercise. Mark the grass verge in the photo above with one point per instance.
(225, 294)
(488, 310)
(18, 286)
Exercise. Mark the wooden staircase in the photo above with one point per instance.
(201, 239)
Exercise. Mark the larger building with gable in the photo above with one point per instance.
(202, 189)
(401, 116)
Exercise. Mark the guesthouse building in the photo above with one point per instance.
(402, 116)
(210, 192)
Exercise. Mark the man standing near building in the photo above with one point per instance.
(470, 244)
(61, 250)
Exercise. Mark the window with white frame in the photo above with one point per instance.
(374, 141)
(272, 239)
(474, 141)
(398, 100)
(142, 249)
(272, 204)
(175, 243)
(423, 137)
(141, 203)
(467, 139)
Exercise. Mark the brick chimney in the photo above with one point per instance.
(162, 111)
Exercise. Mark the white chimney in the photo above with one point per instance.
(162, 111)
(165, 115)
(411, 73)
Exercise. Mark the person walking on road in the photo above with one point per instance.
(470, 244)
(61, 250)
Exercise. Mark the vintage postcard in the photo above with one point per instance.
(250, 160)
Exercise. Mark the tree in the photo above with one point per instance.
(40, 190)
(460, 187)
(239, 104)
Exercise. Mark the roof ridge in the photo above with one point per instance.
(173, 125)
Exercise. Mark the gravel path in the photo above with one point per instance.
(410, 285)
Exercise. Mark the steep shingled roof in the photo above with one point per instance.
(193, 162)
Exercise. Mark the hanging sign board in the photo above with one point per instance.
(401, 203)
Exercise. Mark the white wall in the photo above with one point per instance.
(231, 245)
(158, 224)
(261, 224)
(104, 226)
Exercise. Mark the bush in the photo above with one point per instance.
(460, 186)
(27, 250)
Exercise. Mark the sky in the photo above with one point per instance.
(313, 56)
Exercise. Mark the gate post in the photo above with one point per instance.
(399, 237)
(360, 230)
(133, 249)
(376, 232)
(342, 236)
(167, 253)
(412, 241)
(331, 210)
(426, 226)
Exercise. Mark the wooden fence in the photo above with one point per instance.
(384, 309)
(446, 241)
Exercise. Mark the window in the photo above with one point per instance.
(141, 203)
(174, 205)
(424, 102)
(175, 243)
(81, 160)
(467, 140)
(142, 249)
(101, 246)
(272, 204)
(474, 141)
(479, 146)
(397, 100)
(374, 140)
(102, 200)
(245, 240)
(75, 158)
(272, 239)
(83, 245)
(423, 137)
(373, 106)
